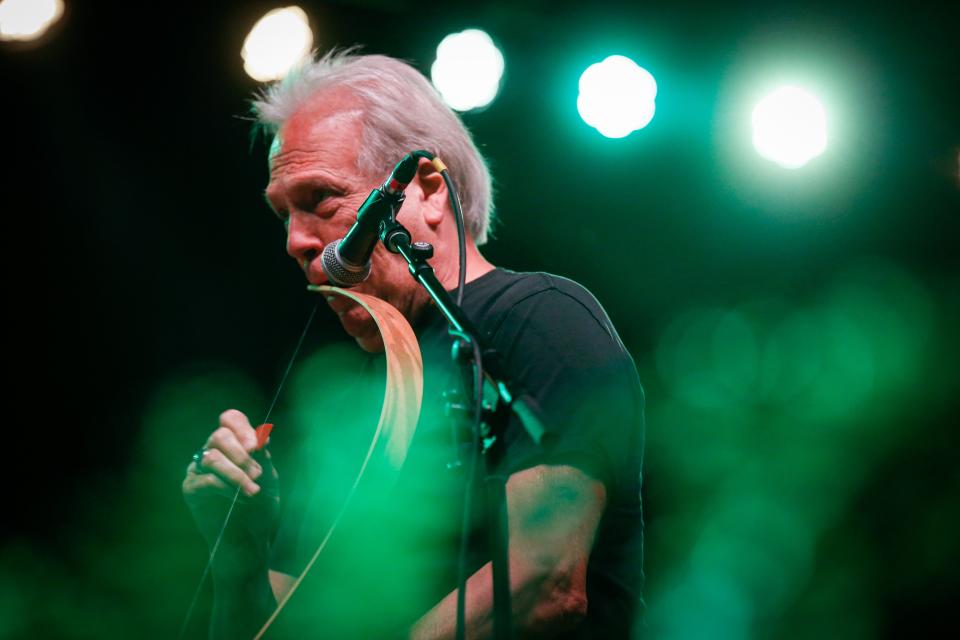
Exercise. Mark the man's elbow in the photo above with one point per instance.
(571, 608)
(561, 607)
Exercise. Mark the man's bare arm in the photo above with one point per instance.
(554, 512)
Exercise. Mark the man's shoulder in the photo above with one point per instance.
(521, 283)
(506, 289)
(542, 295)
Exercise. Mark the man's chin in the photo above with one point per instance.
(371, 343)
(364, 330)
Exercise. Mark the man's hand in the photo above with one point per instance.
(554, 512)
(242, 586)
(228, 463)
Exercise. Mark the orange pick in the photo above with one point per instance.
(263, 434)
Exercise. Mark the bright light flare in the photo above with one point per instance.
(468, 70)
(28, 19)
(790, 127)
(617, 97)
(279, 40)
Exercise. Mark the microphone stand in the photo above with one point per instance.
(397, 239)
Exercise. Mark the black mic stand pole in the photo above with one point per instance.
(397, 240)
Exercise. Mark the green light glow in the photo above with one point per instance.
(775, 422)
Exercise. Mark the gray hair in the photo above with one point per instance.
(402, 112)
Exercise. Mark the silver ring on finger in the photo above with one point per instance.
(198, 459)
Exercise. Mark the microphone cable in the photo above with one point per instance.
(478, 401)
(457, 215)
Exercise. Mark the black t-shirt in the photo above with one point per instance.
(383, 570)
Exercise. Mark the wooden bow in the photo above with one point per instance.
(402, 398)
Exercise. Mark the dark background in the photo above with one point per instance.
(149, 290)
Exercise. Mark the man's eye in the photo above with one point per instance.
(319, 196)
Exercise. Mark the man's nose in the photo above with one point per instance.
(303, 244)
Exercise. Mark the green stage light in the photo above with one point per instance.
(27, 19)
(789, 127)
(617, 97)
(468, 70)
(279, 40)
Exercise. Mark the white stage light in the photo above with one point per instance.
(468, 70)
(789, 127)
(279, 40)
(27, 19)
(617, 97)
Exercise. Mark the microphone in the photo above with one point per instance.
(347, 261)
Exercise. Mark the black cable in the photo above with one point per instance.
(461, 234)
(478, 386)
(457, 216)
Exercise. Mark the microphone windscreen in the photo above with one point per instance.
(338, 271)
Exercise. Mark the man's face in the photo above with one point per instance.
(316, 189)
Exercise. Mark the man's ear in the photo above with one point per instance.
(434, 192)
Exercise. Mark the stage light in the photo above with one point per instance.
(278, 41)
(27, 19)
(468, 70)
(617, 97)
(789, 127)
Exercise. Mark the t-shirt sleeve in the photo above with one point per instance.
(563, 351)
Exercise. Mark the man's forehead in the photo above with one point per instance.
(315, 127)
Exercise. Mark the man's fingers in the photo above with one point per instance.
(225, 441)
(198, 481)
(215, 461)
(226, 463)
(237, 422)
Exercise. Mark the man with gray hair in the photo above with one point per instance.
(340, 124)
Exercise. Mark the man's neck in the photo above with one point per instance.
(477, 265)
(449, 271)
